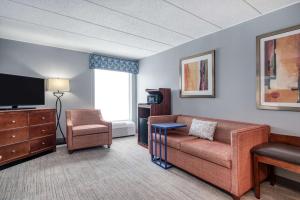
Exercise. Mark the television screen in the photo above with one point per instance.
(21, 90)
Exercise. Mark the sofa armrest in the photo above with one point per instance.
(162, 119)
(242, 141)
(158, 119)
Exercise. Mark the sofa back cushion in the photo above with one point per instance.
(85, 116)
(223, 130)
(184, 120)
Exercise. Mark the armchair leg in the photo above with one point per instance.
(108, 146)
(70, 151)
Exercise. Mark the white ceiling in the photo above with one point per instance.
(128, 28)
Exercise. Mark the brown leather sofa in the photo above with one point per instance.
(225, 162)
(86, 128)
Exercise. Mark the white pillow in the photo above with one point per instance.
(203, 129)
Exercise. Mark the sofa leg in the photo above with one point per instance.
(70, 151)
(235, 197)
(108, 146)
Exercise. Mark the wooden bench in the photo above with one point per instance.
(282, 155)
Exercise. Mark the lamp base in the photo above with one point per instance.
(58, 106)
(60, 141)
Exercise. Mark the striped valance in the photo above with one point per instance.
(113, 63)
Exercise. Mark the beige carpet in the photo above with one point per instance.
(123, 172)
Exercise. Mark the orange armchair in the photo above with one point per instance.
(86, 128)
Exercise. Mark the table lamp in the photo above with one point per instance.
(58, 86)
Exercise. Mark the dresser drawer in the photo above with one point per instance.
(41, 117)
(13, 136)
(42, 130)
(43, 143)
(14, 151)
(13, 120)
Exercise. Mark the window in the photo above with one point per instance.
(113, 94)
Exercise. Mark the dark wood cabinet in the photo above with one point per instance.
(146, 110)
(24, 133)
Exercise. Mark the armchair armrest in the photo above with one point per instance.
(242, 141)
(69, 123)
(106, 123)
(109, 125)
(69, 130)
(158, 119)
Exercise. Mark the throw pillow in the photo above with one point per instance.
(203, 129)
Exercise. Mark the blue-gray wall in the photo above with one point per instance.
(235, 74)
(40, 61)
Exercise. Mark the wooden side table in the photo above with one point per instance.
(274, 155)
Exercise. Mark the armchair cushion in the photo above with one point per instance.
(85, 117)
(89, 129)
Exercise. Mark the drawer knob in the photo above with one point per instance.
(13, 151)
(13, 121)
(13, 136)
(43, 143)
(0, 157)
(43, 118)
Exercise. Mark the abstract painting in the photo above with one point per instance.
(278, 70)
(197, 75)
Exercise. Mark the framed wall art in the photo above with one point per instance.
(197, 75)
(278, 70)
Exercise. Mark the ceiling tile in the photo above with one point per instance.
(131, 28)
(91, 13)
(15, 30)
(266, 6)
(39, 17)
(223, 13)
(161, 13)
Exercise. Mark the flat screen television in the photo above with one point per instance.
(21, 91)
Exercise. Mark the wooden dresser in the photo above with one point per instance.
(24, 133)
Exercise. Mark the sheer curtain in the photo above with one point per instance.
(113, 94)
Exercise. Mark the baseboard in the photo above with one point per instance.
(122, 136)
(288, 183)
(60, 141)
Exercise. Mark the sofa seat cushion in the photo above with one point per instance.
(173, 139)
(89, 129)
(213, 151)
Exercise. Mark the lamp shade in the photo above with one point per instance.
(58, 85)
